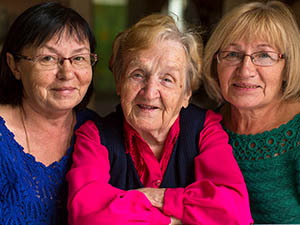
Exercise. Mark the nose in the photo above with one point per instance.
(65, 70)
(247, 67)
(150, 89)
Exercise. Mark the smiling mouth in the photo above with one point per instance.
(248, 86)
(64, 89)
(146, 107)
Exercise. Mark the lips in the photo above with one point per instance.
(146, 107)
(244, 85)
(64, 89)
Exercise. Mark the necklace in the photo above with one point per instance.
(22, 113)
(25, 130)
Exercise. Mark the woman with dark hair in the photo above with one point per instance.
(45, 85)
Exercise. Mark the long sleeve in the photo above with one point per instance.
(92, 200)
(219, 194)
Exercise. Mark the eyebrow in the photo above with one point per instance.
(74, 51)
(135, 62)
(258, 46)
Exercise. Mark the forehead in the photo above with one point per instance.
(165, 52)
(255, 34)
(257, 44)
(65, 38)
(64, 35)
(61, 43)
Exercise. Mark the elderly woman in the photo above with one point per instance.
(252, 70)
(156, 160)
(45, 84)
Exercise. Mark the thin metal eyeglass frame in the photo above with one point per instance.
(280, 56)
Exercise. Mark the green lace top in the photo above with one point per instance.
(270, 163)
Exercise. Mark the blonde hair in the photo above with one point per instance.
(150, 29)
(270, 21)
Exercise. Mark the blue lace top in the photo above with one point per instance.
(270, 163)
(30, 192)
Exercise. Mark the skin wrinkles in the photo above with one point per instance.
(254, 92)
(152, 90)
(57, 90)
(264, 82)
(44, 51)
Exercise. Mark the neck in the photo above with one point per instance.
(253, 121)
(46, 120)
(42, 132)
(156, 141)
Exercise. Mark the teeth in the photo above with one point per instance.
(246, 86)
(147, 107)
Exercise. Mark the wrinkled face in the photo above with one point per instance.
(59, 88)
(248, 86)
(152, 87)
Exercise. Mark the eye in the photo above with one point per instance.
(168, 80)
(263, 55)
(79, 58)
(137, 75)
(47, 58)
(231, 55)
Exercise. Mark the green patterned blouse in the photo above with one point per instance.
(270, 163)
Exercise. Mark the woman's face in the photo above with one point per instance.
(248, 86)
(152, 87)
(59, 88)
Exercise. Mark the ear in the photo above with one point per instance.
(186, 99)
(13, 65)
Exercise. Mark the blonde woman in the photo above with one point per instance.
(252, 70)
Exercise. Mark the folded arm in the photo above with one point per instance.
(219, 194)
(92, 200)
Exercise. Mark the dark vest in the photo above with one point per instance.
(180, 170)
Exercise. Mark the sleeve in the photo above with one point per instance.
(91, 199)
(219, 194)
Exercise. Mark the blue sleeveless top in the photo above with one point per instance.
(30, 192)
(180, 170)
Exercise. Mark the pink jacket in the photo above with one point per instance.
(218, 195)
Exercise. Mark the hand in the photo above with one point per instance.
(175, 221)
(155, 196)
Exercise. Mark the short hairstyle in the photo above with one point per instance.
(34, 27)
(158, 27)
(271, 21)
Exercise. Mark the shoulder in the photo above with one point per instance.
(108, 127)
(192, 119)
(192, 111)
(10, 115)
(194, 114)
(113, 119)
(86, 114)
(8, 112)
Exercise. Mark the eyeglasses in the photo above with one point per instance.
(263, 58)
(48, 62)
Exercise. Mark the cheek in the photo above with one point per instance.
(129, 90)
(223, 78)
(173, 99)
(222, 82)
(86, 78)
(37, 82)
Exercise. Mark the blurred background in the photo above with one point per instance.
(109, 17)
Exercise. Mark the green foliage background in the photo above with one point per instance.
(109, 20)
